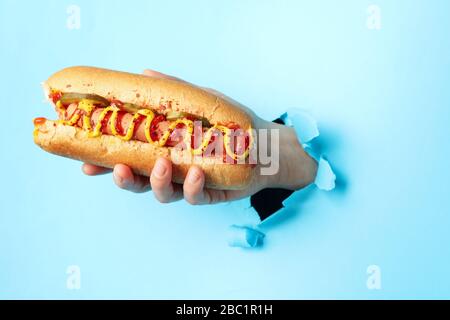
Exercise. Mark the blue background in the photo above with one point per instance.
(382, 101)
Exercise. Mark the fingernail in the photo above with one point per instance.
(122, 182)
(119, 180)
(193, 177)
(159, 170)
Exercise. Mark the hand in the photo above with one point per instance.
(296, 170)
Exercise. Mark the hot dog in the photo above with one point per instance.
(107, 117)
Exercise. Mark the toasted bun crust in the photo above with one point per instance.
(107, 150)
(148, 92)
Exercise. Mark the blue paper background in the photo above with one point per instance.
(381, 98)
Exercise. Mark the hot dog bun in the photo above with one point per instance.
(106, 151)
(146, 92)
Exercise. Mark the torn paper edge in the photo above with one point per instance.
(244, 237)
(304, 124)
(325, 178)
(307, 129)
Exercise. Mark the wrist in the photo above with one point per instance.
(296, 168)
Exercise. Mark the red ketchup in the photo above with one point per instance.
(120, 130)
(117, 103)
(55, 96)
(105, 122)
(238, 133)
(154, 126)
(138, 122)
(39, 121)
(176, 136)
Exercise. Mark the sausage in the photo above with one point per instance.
(124, 120)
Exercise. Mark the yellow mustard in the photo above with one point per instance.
(88, 107)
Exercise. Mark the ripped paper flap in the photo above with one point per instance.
(244, 237)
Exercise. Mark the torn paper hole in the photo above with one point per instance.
(325, 178)
(268, 201)
(244, 237)
(303, 123)
(306, 129)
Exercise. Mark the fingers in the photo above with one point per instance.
(161, 181)
(192, 190)
(93, 170)
(126, 179)
(195, 193)
(193, 187)
(122, 175)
